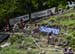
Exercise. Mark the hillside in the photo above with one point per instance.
(25, 43)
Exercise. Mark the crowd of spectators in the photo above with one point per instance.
(68, 50)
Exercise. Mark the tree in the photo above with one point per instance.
(14, 8)
(29, 8)
(6, 8)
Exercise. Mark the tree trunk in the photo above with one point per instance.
(30, 20)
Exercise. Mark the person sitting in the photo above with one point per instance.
(65, 51)
(7, 28)
(50, 39)
(65, 43)
(15, 27)
(70, 51)
(21, 26)
(36, 29)
(26, 29)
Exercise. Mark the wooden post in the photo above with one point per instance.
(7, 21)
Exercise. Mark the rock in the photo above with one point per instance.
(5, 45)
(29, 49)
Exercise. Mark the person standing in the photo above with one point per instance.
(7, 28)
(7, 24)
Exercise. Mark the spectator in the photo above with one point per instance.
(36, 30)
(50, 39)
(26, 28)
(15, 27)
(21, 24)
(70, 51)
(65, 43)
(65, 51)
(7, 28)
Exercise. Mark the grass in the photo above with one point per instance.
(66, 22)
(62, 20)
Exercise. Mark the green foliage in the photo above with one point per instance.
(16, 38)
(66, 22)
(18, 46)
(14, 8)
